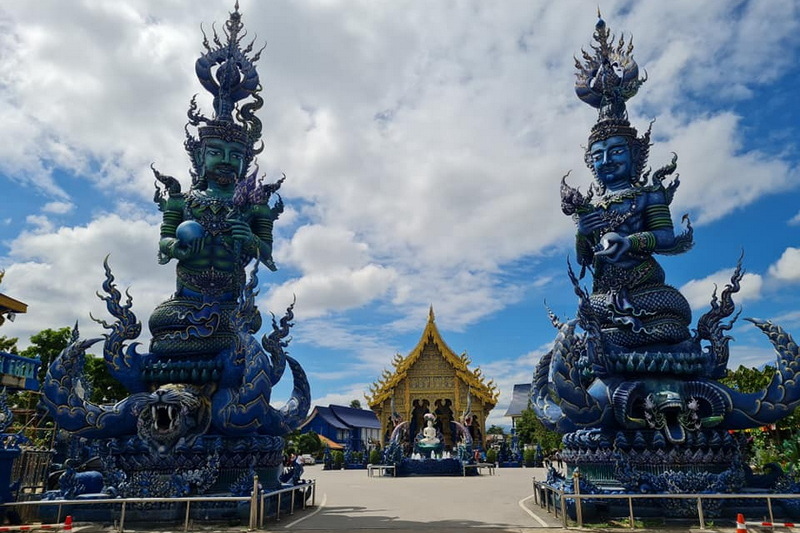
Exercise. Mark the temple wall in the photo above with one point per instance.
(431, 385)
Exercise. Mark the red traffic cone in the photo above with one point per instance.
(740, 527)
(68, 523)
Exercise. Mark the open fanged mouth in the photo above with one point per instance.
(164, 418)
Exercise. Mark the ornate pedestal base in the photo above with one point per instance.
(211, 465)
(430, 467)
(643, 462)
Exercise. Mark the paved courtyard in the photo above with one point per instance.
(349, 500)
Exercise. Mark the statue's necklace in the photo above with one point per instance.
(610, 199)
(211, 211)
(615, 219)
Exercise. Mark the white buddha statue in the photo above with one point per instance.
(429, 437)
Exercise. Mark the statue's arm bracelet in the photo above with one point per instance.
(261, 244)
(170, 222)
(263, 229)
(642, 242)
(658, 217)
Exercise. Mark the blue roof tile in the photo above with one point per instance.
(356, 418)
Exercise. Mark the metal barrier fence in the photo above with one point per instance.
(257, 501)
(543, 491)
(31, 469)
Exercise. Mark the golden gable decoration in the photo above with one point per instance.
(433, 378)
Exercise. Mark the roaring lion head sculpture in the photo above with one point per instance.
(173, 414)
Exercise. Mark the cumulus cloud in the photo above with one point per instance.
(58, 272)
(747, 175)
(315, 248)
(699, 291)
(58, 208)
(320, 294)
(787, 267)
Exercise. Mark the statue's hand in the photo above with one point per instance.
(613, 246)
(590, 222)
(183, 251)
(241, 232)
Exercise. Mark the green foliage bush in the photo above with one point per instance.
(338, 459)
(530, 430)
(491, 455)
(308, 443)
(375, 457)
(529, 456)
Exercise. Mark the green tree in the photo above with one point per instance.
(491, 455)
(47, 344)
(308, 443)
(745, 379)
(338, 459)
(355, 404)
(748, 380)
(8, 344)
(530, 430)
(375, 457)
(495, 430)
(105, 389)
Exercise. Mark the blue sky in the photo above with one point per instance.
(423, 144)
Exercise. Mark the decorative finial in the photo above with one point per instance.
(228, 72)
(607, 79)
(431, 316)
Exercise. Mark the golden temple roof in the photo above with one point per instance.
(483, 391)
(8, 305)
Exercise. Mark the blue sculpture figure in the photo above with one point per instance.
(636, 392)
(200, 398)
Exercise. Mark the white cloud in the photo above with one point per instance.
(40, 223)
(699, 291)
(58, 272)
(316, 249)
(751, 356)
(789, 321)
(787, 267)
(355, 391)
(319, 294)
(710, 152)
(58, 208)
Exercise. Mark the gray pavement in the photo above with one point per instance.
(349, 500)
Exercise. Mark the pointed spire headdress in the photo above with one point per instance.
(606, 81)
(226, 71)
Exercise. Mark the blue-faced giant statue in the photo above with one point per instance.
(633, 389)
(199, 417)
